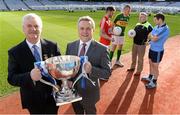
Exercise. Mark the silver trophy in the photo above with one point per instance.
(62, 68)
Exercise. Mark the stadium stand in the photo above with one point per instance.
(35, 5)
(47, 2)
(164, 7)
(3, 6)
(60, 2)
(161, 4)
(174, 4)
(16, 5)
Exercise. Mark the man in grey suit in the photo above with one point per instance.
(98, 66)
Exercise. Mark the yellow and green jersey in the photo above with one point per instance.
(121, 21)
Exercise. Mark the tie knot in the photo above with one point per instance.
(84, 44)
(34, 46)
(36, 53)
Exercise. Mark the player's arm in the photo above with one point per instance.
(104, 35)
(102, 31)
(150, 28)
(158, 33)
(153, 38)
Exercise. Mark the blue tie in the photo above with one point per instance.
(82, 52)
(36, 53)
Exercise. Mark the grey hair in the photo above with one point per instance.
(143, 13)
(87, 18)
(32, 16)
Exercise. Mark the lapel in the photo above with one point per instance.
(76, 47)
(45, 50)
(27, 52)
(91, 48)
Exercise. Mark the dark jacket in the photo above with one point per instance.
(99, 59)
(20, 63)
(142, 31)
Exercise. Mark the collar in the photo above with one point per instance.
(143, 22)
(164, 24)
(87, 43)
(38, 44)
(124, 15)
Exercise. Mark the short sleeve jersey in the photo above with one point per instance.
(121, 21)
(163, 33)
(105, 25)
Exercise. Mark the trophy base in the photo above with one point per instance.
(62, 100)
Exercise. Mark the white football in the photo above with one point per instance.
(132, 33)
(117, 30)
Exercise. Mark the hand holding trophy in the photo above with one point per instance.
(63, 68)
(60, 68)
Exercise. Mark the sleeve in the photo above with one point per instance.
(103, 70)
(135, 27)
(154, 32)
(16, 78)
(116, 19)
(162, 30)
(57, 50)
(67, 49)
(150, 28)
(102, 25)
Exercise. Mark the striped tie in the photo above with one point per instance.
(36, 53)
(83, 50)
(83, 80)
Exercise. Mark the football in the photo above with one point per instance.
(117, 30)
(132, 33)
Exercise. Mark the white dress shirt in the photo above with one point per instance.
(38, 44)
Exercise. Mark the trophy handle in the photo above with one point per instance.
(50, 84)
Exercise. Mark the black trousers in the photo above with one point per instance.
(81, 107)
(47, 107)
(43, 110)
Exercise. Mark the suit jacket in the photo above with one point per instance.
(99, 59)
(20, 63)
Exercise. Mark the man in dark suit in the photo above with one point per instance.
(97, 67)
(35, 96)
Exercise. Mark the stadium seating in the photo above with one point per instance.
(35, 5)
(16, 5)
(174, 4)
(2, 5)
(47, 2)
(165, 7)
(60, 2)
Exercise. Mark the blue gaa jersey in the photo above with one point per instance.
(163, 33)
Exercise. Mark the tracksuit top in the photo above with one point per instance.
(142, 31)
